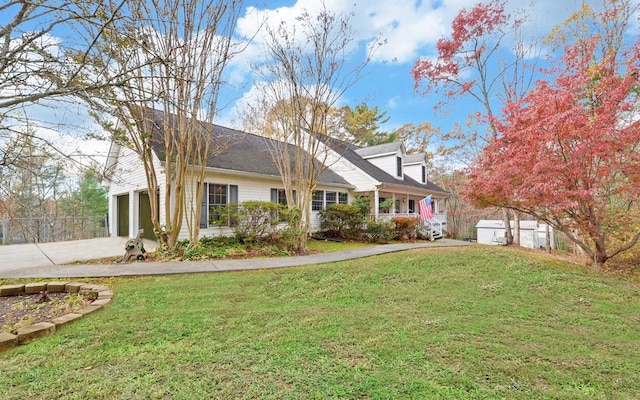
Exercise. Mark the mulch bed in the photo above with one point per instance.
(28, 309)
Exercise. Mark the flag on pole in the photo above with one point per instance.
(425, 207)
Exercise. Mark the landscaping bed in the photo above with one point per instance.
(29, 311)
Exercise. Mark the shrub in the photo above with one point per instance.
(380, 231)
(343, 220)
(363, 203)
(225, 215)
(254, 220)
(405, 228)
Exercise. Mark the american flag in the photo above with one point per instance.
(425, 207)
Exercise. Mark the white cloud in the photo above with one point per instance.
(410, 27)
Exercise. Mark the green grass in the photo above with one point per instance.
(327, 246)
(464, 323)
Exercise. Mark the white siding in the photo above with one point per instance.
(415, 171)
(249, 188)
(315, 215)
(350, 173)
(128, 177)
(387, 162)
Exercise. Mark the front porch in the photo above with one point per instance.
(386, 205)
(433, 228)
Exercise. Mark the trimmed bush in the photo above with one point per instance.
(343, 220)
(259, 220)
(254, 220)
(405, 227)
(380, 232)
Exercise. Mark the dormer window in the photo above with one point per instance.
(424, 174)
(399, 167)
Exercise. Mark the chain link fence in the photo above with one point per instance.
(52, 229)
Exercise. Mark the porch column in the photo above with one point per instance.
(393, 203)
(376, 200)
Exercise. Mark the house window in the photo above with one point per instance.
(216, 196)
(331, 198)
(280, 196)
(424, 174)
(399, 167)
(343, 198)
(322, 199)
(317, 201)
(412, 206)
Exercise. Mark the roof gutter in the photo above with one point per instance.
(411, 190)
(276, 178)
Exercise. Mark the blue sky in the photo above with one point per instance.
(411, 29)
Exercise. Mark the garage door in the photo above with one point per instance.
(145, 216)
(123, 215)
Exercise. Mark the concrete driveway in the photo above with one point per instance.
(44, 260)
(35, 255)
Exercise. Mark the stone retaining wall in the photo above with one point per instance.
(102, 295)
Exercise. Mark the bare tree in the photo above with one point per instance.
(173, 54)
(44, 48)
(31, 186)
(306, 74)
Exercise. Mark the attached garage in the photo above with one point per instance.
(123, 215)
(144, 216)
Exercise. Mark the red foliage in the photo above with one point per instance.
(405, 228)
(569, 152)
(467, 43)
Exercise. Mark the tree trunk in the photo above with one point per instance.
(507, 226)
(547, 238)
(599, 255)
(516, 232)
(598, 262)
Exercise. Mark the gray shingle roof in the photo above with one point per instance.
(384, 148)
(352, 154)
(413, 158)
(242, 151)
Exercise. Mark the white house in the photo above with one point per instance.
(532, 234)
(245, 171)
(387, 175)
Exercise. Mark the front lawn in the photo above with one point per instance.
(450, 323)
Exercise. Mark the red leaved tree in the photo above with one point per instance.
(569, 152)
(485, 59)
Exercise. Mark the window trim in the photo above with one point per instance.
(343, 198)
(340, 198)
(231, 197)
(328, 202)
(315, 200)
